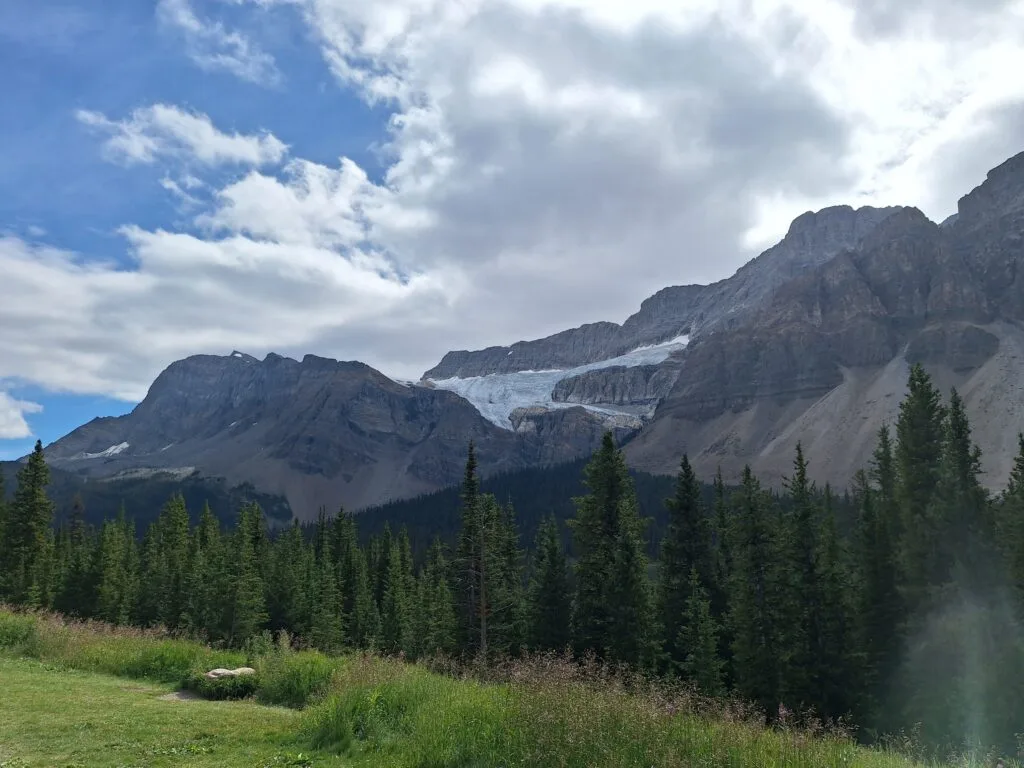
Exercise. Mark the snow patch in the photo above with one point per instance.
(497, 395)
(111, 451)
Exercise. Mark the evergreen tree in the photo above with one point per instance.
(754, 598)
(549, 600)
(596, 538)
(364, 627)
(469, 560)
(802, 605)
(631, 635)
(247, 602)
(288, 604)
(687, 546)
(395, 610)
(205, 580)
(439, 623)
(77, 590)
(918, 451)
(27, 541)
(698, 637)
(1011, 523)
(327, 629)
(836, 681)
(505, 594)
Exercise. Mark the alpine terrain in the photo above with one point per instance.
(809, 342)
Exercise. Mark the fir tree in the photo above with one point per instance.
(247, 603)
(506, 597)
(77, 590)
(469, 559)
(439, 623)
(918, 451)
(395, 610)
(1011, 522)
(631, 635)
(27, 538)
(596, 529)
(698, 637)
(549, 602)
(687, 546)
(327, 629)
(754, 598)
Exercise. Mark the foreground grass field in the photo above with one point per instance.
(87, 695)
(54, 716)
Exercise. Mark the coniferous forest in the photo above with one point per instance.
(902, 613)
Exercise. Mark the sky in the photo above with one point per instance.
(386, 180)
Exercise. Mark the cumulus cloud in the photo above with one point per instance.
(548, 162)
(213, 47)
(164, 130)
(12, 417)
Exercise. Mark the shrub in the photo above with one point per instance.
(17, 631)
(295, 679)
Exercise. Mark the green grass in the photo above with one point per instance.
(56, 716)
(63, 705)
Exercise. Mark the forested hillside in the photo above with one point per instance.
(906, 616)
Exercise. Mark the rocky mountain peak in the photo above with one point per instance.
(1001, 194)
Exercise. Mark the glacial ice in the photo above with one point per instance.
(111, 451)
(498, 394)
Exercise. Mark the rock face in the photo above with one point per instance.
(813, 238)
(319, 432)
(810, 342)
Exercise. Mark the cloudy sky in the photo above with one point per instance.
(385, 180)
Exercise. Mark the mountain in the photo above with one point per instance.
(811, 341)
(317, 432)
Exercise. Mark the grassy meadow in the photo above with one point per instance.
(86, 694)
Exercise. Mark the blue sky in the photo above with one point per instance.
(387, 180)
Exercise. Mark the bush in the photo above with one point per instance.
(295, 679)
(17, 632)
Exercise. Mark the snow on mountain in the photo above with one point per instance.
(111, 451)
(497, 395)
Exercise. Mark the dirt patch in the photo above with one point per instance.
(181, 696)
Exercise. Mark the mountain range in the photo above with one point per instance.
(809, 342)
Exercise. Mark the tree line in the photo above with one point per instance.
(908, 621)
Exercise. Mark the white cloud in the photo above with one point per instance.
(12, 417)
(213, 47)
(163, 130)
(548, 163)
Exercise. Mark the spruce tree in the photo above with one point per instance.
(918, 451)
(327, 629)
(506, 596)
(247, 603)
(687, 546)
(395, 610)
(439, 623)
(1011, 523)
(754, 598)
(631, 634)
(288, 599)
(833, 693)
(468, 557)
(596, 539)
(77, 589)
(204, 584)
(27, 538)
(549, 600)
(698, 638)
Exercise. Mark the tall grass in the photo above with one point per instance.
(542, 712)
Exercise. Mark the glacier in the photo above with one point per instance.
(497, 395)
(111, 451)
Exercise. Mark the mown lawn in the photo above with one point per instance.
(57, 717)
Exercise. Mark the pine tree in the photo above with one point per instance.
(327, 629)
(549, 600)
(288, 605)
(364, 627)
(596, 529)
(687, 546)
(802, 605)
(1011, 523)
(395, 610)
(631, 635)
(469, 560)
(698, 638)
(506, 598)
(918, 451)
(439, 623)
(27, 538)
(204, 583)
(754, 591)
(836, 679)
(77, 589)
(247, 603)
